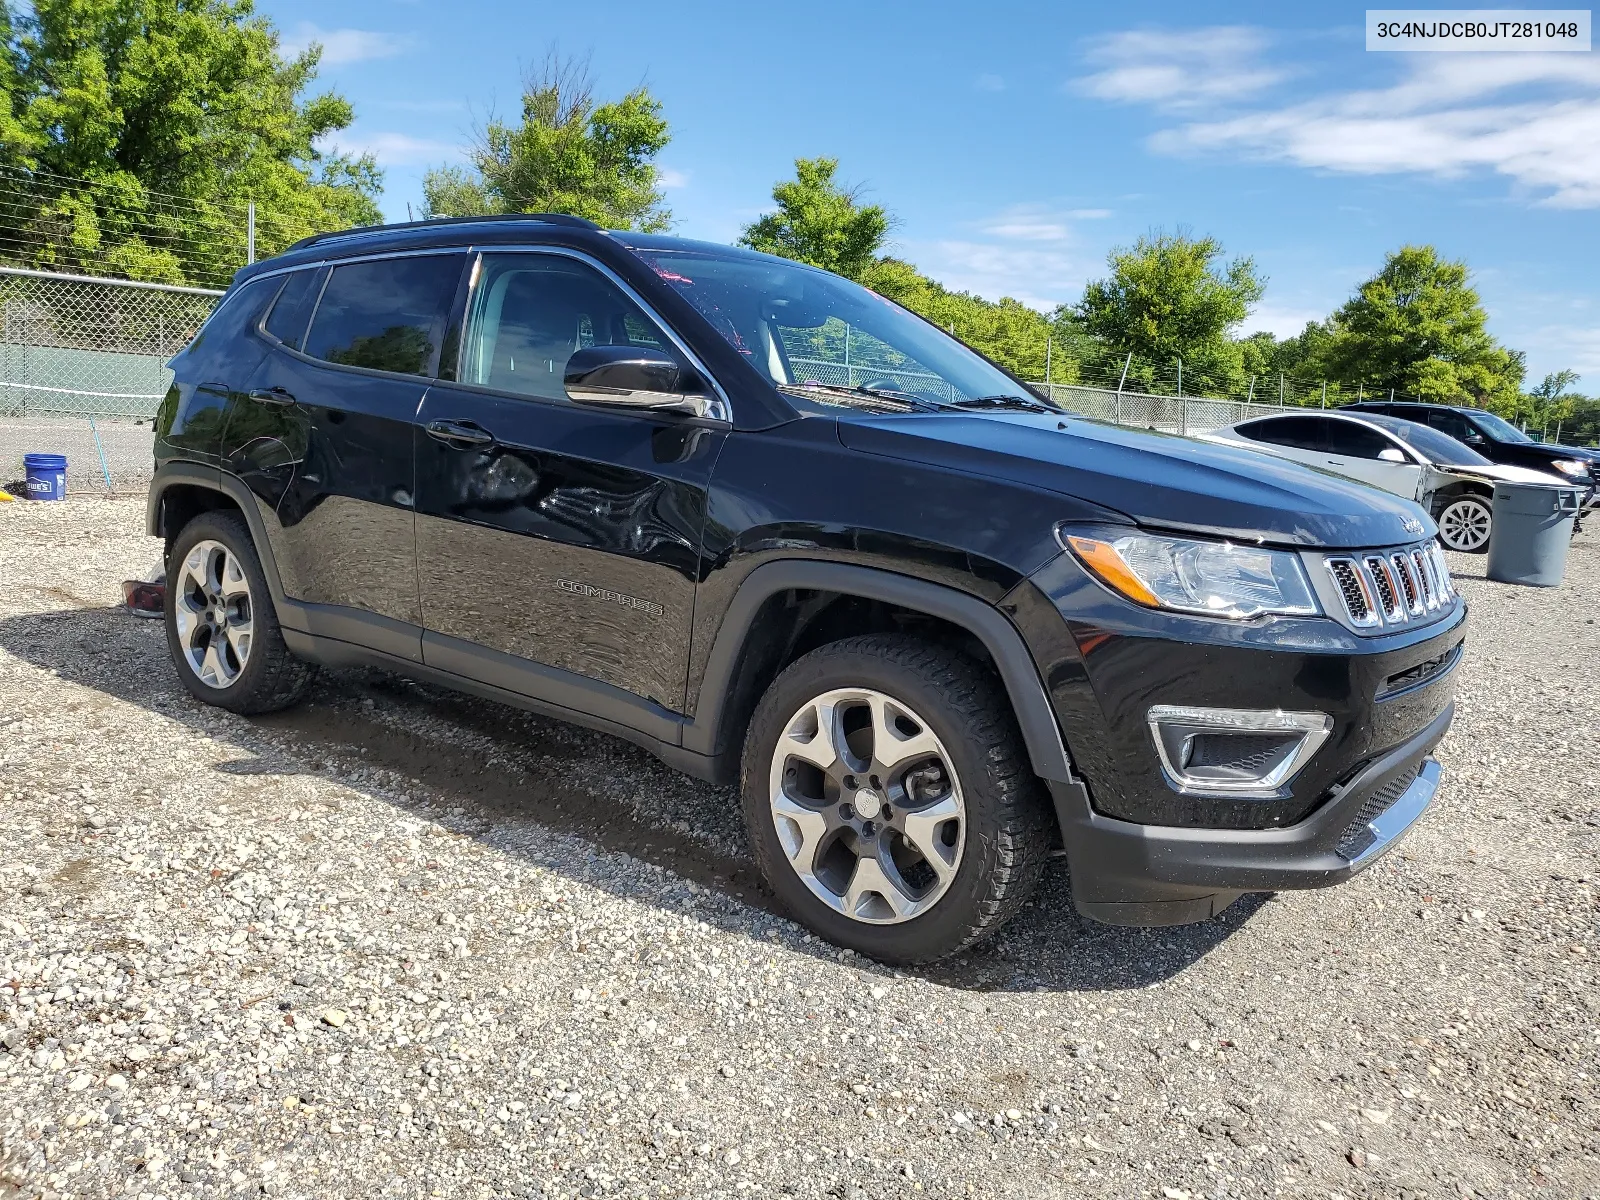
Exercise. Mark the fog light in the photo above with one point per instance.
(1243, 752)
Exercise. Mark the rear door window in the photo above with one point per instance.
(386, 314)
(1300, 433)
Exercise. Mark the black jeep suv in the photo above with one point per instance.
(1497, 440)
(777, 529)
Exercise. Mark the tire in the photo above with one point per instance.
(1465, 524)
(850, 848)
(222, 630)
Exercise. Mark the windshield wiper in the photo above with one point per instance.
(912, 402)
(1029, 403)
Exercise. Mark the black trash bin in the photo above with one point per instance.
(1531, 529)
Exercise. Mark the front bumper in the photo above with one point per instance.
(1129, 874)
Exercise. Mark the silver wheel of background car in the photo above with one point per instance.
(867, 806)
(213, 610)
(1464, 524)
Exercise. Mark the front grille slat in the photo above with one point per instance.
(1387, 588)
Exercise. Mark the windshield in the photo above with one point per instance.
(801, 327)
(1433, 445)
(1499, 429)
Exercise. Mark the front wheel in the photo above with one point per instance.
(1465, 524)
(889, 799)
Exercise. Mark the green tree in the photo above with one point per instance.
(567, 155)
(1418, 327)
(1170, 297)
(820, 222)
(139, 128)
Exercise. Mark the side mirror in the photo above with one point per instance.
(1390, 454)
(636, 377)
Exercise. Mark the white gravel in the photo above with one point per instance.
(400, 943)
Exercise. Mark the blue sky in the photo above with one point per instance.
(1016, 143)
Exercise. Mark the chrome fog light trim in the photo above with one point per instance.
(1274, 744)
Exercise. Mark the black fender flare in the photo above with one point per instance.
(1040, 731)
(224, 483)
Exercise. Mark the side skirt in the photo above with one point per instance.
(334, 652)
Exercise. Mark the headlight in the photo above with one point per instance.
(1217, 579)
(1570, 467)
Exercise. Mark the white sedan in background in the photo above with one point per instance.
(1451, 480)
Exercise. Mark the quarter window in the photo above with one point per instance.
(387, 314)
(530, 312)
(292, 309)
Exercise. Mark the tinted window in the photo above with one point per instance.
(529, 313)
(1356, 441)
(1453, 424)
(1435, 445)
(1302, 433)
(292, 309)
(387, 314)
(239, 310)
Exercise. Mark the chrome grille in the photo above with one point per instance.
(1355, 592)
(1410, 590)
(1389, 588)
(1424, 567)
(1388, 595)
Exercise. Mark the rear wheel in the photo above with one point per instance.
(889, 799)
(222, 630)
(1465, 524)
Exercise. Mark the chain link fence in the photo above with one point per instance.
(1170, 414)
(83, 369)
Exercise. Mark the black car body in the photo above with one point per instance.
(652, 571)
(1497, 440)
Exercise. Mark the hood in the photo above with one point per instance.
(1157, 479)
(1504, 473)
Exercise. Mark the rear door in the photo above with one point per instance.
(1299, 437)
(336, 412)
(551, 534)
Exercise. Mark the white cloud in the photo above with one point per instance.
(1555, 347)
(342, 46)
(1282, 322)
(1179, 68)
(392, 149)
(989, 83)
(671, 177)
(1029, 252)
(1531, 118)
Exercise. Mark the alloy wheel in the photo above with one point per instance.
(1464, 524)
(867, 806)
(214, 614)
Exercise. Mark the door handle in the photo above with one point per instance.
(272, 395)
(459, 433)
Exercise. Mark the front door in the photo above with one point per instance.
(340, 408)
(550, 534)
(1358, 451)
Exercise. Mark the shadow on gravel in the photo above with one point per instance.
(1046, 947)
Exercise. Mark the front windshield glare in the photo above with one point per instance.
(1502, 430)
(800, 326)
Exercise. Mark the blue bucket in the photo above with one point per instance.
(47, 476)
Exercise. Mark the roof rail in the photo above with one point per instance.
(566, 219)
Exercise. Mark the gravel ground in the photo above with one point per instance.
(399, 943)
